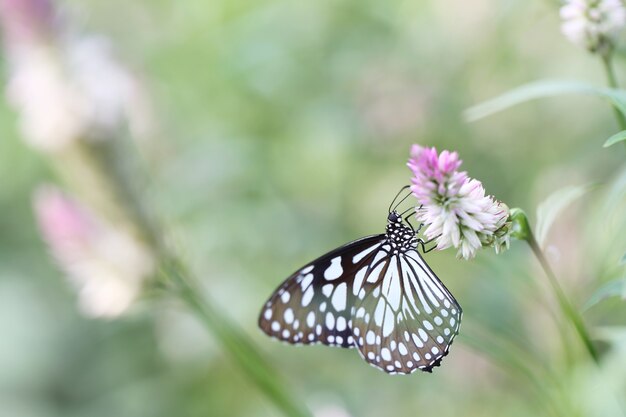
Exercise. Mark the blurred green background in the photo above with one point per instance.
(284, 129)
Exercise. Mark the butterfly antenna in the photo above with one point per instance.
(396, 197)
(406, 211)
(404, 198)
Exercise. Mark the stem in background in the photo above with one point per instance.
(521, 230)
(564, 303)
(96, 171)
(612, 81)
(233, 341)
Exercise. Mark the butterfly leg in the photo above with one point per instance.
(424, 243)
(407, 219)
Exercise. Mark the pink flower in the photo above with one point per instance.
(66, 88)
(105, 264)
(454, 207)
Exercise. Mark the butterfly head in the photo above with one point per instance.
(400, 237)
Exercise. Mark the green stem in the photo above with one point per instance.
(612, 81)
(520, 229)
(89, 168)
(233, 341)
(564, 302)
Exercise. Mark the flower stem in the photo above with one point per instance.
(233, 341)
(521, 230)
(612, 81)
(97, 172)
(565, 304)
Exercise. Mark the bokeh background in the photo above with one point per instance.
(282, 131)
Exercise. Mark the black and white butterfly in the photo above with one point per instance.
(376, 294)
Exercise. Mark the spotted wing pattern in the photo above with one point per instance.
(314, 304)
(388, 303)
(407, 319)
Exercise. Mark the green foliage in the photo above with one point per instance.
(544, 89)
(618, 137)
(550, 209)
(283, 130)
(616, 288)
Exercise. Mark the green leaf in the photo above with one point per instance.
(613, 334)
(615, 288)
(551, 207)
(541, 89)
(618, 137)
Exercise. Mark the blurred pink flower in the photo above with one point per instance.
(454, 207)
(65, 88)
(27, 20)
(106, 265)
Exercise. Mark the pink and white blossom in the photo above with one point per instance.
(106, 265)
(65, 88)
(454, 207)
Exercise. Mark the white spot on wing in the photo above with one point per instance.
(416, 286)
(384, 352)
(379, 313)
(417, 341)
(307, 296)
(358, 280)
(389, 323)
(359, 256)
(339, 297)
(335, 270)
(422, 334)
(373, 276)
(306, 282)
(341, 323)
(330, 320)
(327, 289)
(391, 285)
(288, 316)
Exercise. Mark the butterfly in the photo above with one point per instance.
(375, 294)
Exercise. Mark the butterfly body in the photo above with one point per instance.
(376, 294)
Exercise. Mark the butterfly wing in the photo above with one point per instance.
(407, 318)
(314, 304)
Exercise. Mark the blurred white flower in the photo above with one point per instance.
(65, 88)
(330, 410)
(52, 112)
(106, 265)
(454, 207)
(593, 24)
